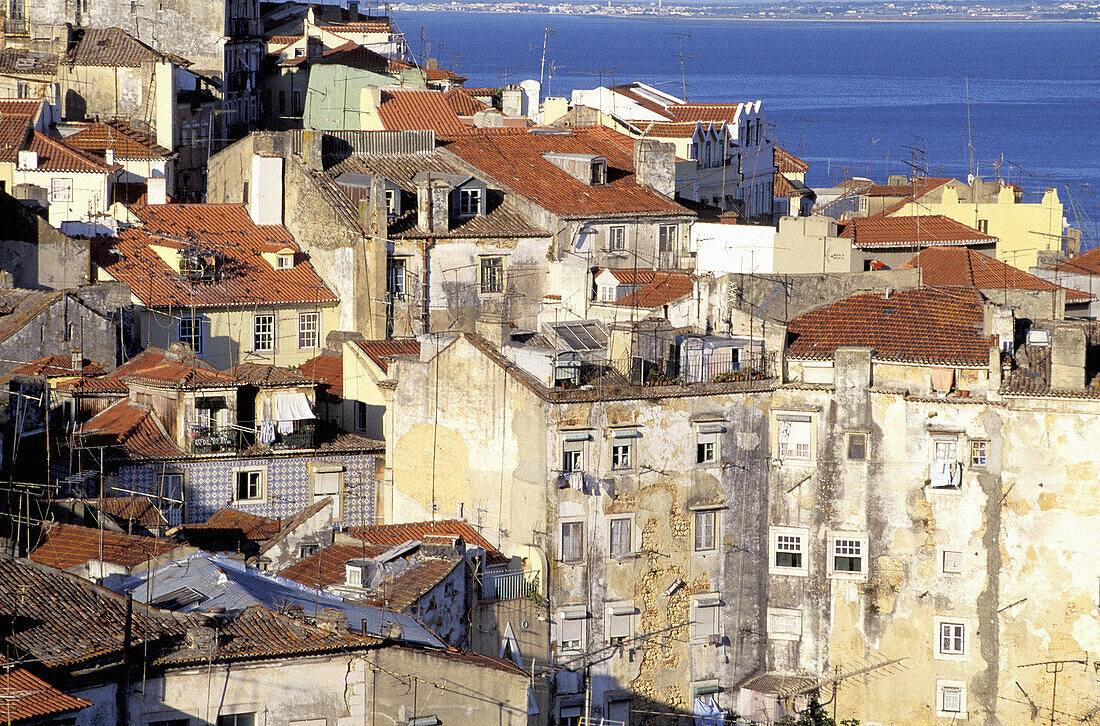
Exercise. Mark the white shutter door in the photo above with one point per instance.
(327, 484)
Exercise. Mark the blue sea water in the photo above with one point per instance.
(847, 97)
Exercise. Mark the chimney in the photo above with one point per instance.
(655, 165)
(433, 208)
(28, 160)
(392, 630)
(353, 12)
(311, 149)
(314, 48)
(202, 638)
(77, 359)
(109, 157)
(156, 190)
(511, 101)
(1067, 358)
(433, 64)
(265, 204)
(494, 327)
(332, 620)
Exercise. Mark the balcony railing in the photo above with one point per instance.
(509, 585)
(213, 439)
(15, 26)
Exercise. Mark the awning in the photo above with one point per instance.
(292, 407)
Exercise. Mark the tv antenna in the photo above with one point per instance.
(542, 65)
(916, 157)
(682, 57)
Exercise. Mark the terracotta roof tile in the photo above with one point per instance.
(395, 534)
(379, 350)
(516, 161)
(936, 326)
(784, 187)
(19, 307)
(113, 47)
(59, 366)
(160, 365)
(55, 155)
(252, 526)
(17, 117)
(918, 231)
(131, 429)
(138, 508)
(671, 130)
(265, 374)
(68, 545)
(226, 230)
(22, 62)
(293, 522)
(402, 591)
(462, 102)
(327, 566)
(126, 143)
(24, 696)
(67, 620)
(1086, 263)
(960, 266)
(403, 110)
(327, 368)
(629, 91)
(665, 287)
(788, 163)
(726, 112)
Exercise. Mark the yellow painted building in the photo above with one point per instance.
(1024, 229)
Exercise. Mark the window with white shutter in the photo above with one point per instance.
(620, 620)
(327, 482)
(795, 433)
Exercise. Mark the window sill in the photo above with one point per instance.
(788, 571)
(625, 557)
(842, 575)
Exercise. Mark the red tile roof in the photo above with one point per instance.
(68, 620)
(1086, 263)
(266, 374)
(97, 137)
(54, 155)
(16, 121)
(963, 267)
(252, 526)
(59, 366)
(670, 130)
(327, 566)
(226, 230)
(24, 696)
(462, 103)
(935, 326)
(395, 534)
(138, 508)
(403, 590)
(788, 163)
(114, 47)
(132, 429)
(726, 112)
(326, 368)
(918, 231)
(68, 545)
(403, 110)
(379, 350)
(784, 187)
(516, 161)
(645, 102)
(665, 287)
(156, 360)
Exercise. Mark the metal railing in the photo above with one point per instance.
(509, 585)
(212, 439)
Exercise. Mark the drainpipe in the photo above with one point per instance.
(425, 314)
(122, 688)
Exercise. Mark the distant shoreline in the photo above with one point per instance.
(647, 16)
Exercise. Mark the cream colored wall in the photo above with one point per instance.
(1023, 229)
(90, 193)
(227, 335)
(361, 379)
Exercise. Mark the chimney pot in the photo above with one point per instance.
(77, 357)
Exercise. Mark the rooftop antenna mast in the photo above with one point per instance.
(969, 130)
(682, 57)
(542, 66)
(916, 157)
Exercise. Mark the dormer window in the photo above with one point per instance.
(599, 172)
(469, 202)
(391, 202)
(284, 261)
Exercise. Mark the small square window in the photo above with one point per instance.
(951, 561)
(983, 226)
(572, 541)
(616, 238)
(706, 448)
(951, 638)
(250, 485)
(621, 452)
(788, 551)
(857, 446)
(849, 555)
(284, 262)
(469, 202)
(61, 190)
(979, 448)
(237, 719)
(621, 535)
(572, 623)
(706, 525)
(492, 275)
(951, 699)
(620, 621)
(607, 293)
(794, 436)
(572, 456)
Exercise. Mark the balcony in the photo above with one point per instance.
(509, 585)
(16, 26)
(214, 439)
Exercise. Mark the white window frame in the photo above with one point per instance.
(618, 615)
(262, 494)
(784, 428)
(622, 454)
(319, 470)
(979, 453)
(397, 277)
(469, 202)
(667, 237)
(607, 293)
(712, 513)
(708, 433)
(616, 552)
(779, 620)
(309, 329)
(708, 605)
(942, 687)
(954, 629)
(491, 275)
(950, 561)
(284, 261)
(259, 335)
(572, 456)
(391, 202)
(616, 238)
(776, 543)
(195, 337)
(568, 557)
(61, 189)
(848, 540)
